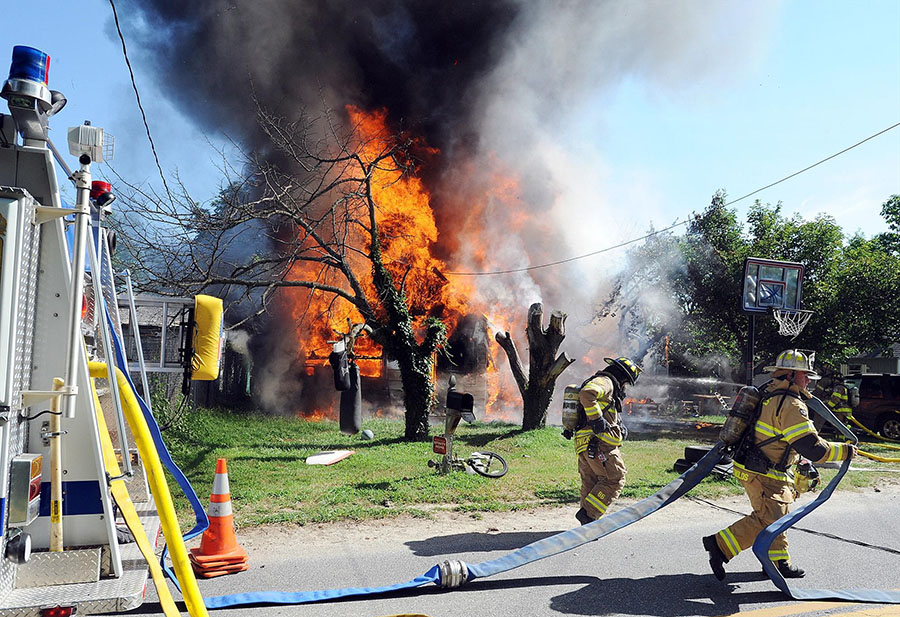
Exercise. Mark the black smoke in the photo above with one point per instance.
(503, 88)
(419, 59)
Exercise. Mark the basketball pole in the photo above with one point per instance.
(751, 342)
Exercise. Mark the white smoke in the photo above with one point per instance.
(239, 340)
(542, 109)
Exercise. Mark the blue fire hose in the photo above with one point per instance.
(451, 574)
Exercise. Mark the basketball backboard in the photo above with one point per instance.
(771, 284)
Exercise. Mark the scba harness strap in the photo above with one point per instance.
(749, 454)
(614, 401)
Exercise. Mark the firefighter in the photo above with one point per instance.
(599, 435)
(782, 434)
(832, 391)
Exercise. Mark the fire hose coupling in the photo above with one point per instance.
(453, 573)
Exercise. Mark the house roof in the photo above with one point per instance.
(892, 351)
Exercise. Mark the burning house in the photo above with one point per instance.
(491, 187)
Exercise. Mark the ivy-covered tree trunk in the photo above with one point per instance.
(418, 395)
(397, 337)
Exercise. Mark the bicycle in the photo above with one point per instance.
(460, 406)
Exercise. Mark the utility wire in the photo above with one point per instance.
(673, 226)
(797, 173)
(562, 261)
(138, 97)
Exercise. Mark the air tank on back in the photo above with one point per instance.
(570, 407)
(740, 415)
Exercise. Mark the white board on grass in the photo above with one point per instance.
(329, 457)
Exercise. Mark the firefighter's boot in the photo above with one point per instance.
(583, 517)
(716, 557)
(789, 570)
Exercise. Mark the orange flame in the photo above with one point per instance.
(629, 403)
(408, 232)
(405, 218)
(315, 416)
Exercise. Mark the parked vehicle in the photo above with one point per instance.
(878, 408)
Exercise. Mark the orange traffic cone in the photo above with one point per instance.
(219, 553)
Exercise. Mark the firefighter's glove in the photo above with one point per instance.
(599, 426)
(851, 450)
(567, 434)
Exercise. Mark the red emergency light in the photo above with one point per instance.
(98, 187)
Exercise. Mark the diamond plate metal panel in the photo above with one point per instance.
(108, 595)
(28, 274)
(46, 568)
(26, 300)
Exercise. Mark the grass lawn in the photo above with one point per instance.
(271, 483)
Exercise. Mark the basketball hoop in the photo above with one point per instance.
(790, 323)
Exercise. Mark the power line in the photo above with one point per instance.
(673, 226)
(562, 261)
(138, 97)
(797, 173)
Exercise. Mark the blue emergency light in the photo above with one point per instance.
(28, 76)
(29, 64)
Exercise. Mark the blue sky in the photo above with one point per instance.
(820, 77)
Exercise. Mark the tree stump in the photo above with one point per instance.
(544, 365)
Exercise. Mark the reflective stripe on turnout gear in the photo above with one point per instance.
(595, 501)
(769, 499)
(779, 555)
(740, 472)
(732, 548)
(839, 402)
(597, 397)
(836, 452)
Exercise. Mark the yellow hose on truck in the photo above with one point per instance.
(129, 513)
(157, 480)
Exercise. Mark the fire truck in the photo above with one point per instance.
(79, 507)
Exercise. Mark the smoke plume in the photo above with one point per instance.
(512, 93)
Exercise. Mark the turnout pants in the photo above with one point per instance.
(770, 499)
(601, 480)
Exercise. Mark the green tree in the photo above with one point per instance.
(851, 285)
(890, 210)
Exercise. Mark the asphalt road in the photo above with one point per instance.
(656, 567)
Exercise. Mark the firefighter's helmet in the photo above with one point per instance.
(795, 360)
(629, 369)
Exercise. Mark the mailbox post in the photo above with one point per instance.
(459, 406)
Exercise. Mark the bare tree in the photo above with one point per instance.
(304, 215)
(544, 366)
